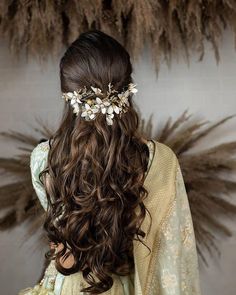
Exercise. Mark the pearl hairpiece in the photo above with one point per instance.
(91, 102)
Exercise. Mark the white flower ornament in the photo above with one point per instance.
(96, 90)
(89, 112)
(102, 105)
(91, 102)
(109, 118)
(132, 88)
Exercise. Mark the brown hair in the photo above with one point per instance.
(96, 171)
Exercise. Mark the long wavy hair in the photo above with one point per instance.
(97, 171)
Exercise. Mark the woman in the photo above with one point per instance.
(117, 213)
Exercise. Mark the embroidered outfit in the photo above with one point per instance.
(172, 266)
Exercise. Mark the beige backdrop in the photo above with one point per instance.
(26, 91)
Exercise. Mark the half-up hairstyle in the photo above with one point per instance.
(96, 172)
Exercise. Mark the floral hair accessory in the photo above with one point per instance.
(93, 101)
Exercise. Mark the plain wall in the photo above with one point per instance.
(28, 90)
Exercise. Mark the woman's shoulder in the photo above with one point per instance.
(163, 150)
(39, 153)
(41, 148)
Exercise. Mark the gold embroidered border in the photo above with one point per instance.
(157, 240)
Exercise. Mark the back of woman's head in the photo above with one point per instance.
(96, 170)
(95, 59)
